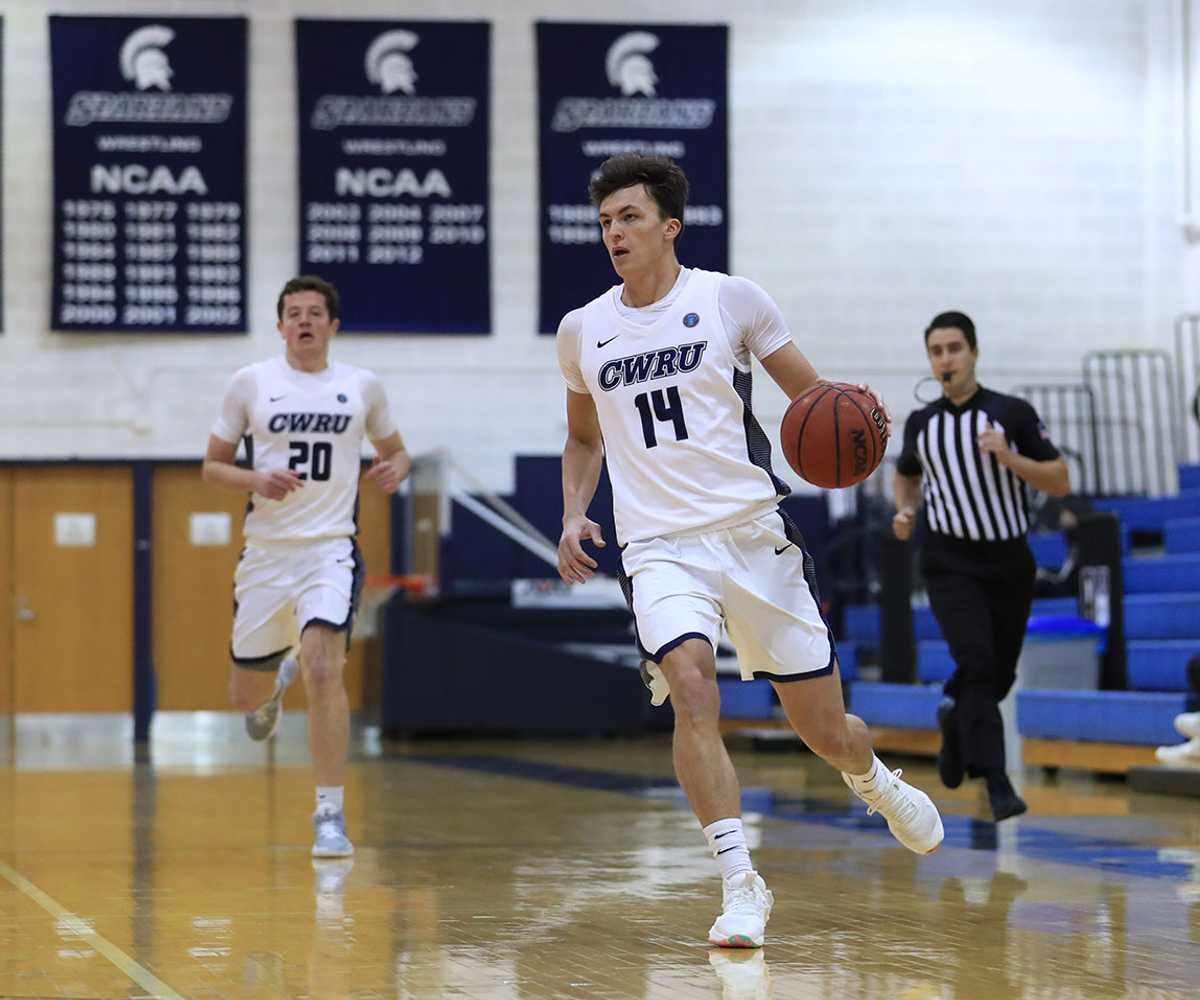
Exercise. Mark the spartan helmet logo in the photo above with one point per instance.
(143, 61)
(628, 65)
(388, 64)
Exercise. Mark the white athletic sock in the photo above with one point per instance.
(330, 798)
(283, 676)
(866, 783)
(727, 840)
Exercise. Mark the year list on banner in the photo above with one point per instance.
(149, 174)
(394, 171)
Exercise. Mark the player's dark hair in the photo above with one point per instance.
(958, 320)
(310, 283)
(662, 177)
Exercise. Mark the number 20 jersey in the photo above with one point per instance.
(684, 451)
(314, 424)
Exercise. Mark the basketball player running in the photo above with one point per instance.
(299, 576)
(658, 377)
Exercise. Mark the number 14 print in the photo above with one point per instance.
(661, 407)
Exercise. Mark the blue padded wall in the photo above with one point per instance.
(1160, 664)
(1100, 716)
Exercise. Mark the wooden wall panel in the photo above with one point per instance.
(73, 627)
(7, 607)
(193, 591)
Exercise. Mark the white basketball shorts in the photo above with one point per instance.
(755, 578)
(280, 590)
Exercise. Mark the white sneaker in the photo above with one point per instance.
(743, 974)
(1181, 753)
(1188, 724)
(910, 813)
(264, 720)
(745, 909)
(329, 835)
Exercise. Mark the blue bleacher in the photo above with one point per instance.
(904, 706)
(1159, 664)
(1162, 626)
(934, 662)
(1151, 514)
(847, 661)
(1162, 616)
(1171, 574)
(1182, 535)
(1137, 717)
(745, 699)
(1050, 548)
(861, 623)
(862, 620)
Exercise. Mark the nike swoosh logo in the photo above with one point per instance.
(727, 850)
(780, 552)
(276, 399)
(725, 834)
(605, 343)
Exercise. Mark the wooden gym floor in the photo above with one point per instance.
(537, 870)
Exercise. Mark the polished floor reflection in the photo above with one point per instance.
(539, 870)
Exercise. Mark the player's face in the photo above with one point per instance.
(950, 358)
(305, 324)
(636, 235)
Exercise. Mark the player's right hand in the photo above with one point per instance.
(276, 483)
(575, 565)
(902, 524)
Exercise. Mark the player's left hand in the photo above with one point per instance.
(387, 473)
(993, 442)
(880, 405)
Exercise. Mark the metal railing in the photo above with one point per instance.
(1187, 383)
(1134, 392)
(1068, 410)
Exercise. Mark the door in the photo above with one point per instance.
(7, 607)
(72, 619)
(197, 536)
(197, 541)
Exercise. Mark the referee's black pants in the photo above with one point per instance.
(980, 593)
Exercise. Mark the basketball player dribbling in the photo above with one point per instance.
(298, 580)
(658, 378)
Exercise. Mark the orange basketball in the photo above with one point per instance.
(833, 435)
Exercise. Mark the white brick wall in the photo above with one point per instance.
(890, 158)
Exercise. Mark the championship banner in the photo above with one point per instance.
(149, 173)
(394, 171)
(605, 89)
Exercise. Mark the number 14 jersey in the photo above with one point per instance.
(671, 384)
(312, 423)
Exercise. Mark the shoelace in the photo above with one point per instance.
(329, 826)
(743, 899)
(893, 796)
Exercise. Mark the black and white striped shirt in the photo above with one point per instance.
(968, 494)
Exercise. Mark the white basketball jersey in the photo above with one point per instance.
(314, 424)
(684, 451)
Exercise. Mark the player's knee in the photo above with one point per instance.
(322, 671)
(831, 740)
(695, 700)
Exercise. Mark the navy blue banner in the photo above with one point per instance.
(149, 173)
(605, 89)
(394, 171)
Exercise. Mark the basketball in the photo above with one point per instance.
(833, 435)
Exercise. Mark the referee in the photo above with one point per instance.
(969, 457)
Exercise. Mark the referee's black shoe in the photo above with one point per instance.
(1004, 800)
(949, 758)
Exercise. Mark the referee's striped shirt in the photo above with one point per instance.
(968, 494)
